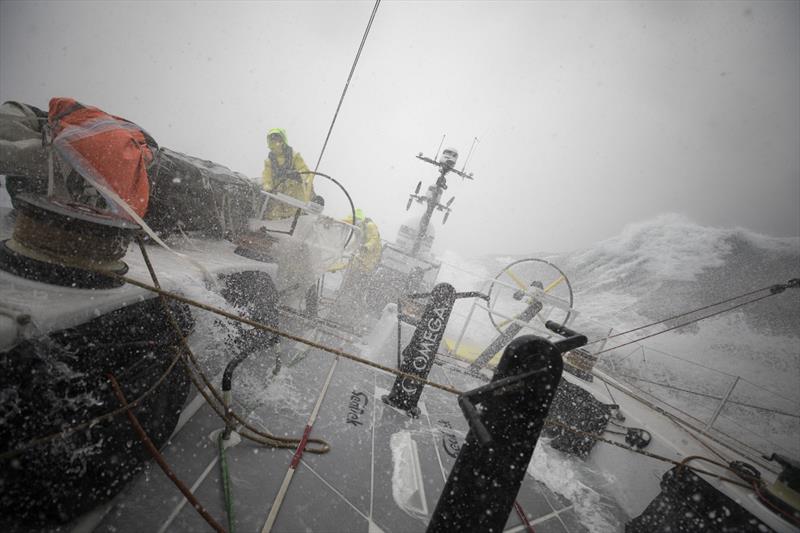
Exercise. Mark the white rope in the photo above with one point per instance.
(276, 504)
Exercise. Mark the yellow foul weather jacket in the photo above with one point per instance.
(368, 255)
(280, 176)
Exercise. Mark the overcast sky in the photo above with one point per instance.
(589, 115)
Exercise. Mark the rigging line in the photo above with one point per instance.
(686, 423)
(331, 350)
(610, 395)
(247, 431)
(686, 323)
(680, 424)
(264, 438)
(474, 141)
(66, 432)
(756, 385)
(252, 433)
(179, 507)
(683, 425)
(705, 395)
(347, 83)
(440, 147)
(226, 482)
(593, 436)
(151, 448)
(682, 314)
(760, 436)
(339, 352)
(695, 363)
(270, 329)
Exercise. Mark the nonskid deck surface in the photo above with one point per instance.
(384, 471)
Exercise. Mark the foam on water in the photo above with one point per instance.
(407, 485)
(668, 246)
(571, 479)
(667, 266)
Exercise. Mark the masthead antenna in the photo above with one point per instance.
(474, 141)
(440, 147)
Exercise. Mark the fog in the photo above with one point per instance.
(588, 115)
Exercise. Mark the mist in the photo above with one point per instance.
(583, 117)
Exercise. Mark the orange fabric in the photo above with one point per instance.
(103, 147)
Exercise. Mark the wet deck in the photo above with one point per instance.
(348, 489)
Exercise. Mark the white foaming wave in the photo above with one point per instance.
(668, 246)
(464, 274)
(565, 476)
(767, 242)
(671, 246)
(728, 342)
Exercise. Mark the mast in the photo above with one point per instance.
(433, 198)
(432, 202)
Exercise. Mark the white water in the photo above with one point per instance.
(664, 267)
(407, 485)
(570, 478)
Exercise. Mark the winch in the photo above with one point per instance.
(66, 243)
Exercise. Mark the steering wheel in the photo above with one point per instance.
(525, 282)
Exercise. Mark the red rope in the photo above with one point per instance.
(298, 454)
(523, 517)
(160, 458)
(789, 517)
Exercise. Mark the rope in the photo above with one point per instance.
(347, 83)
(202, 391)
(226, 481)
(793, 518)
(593, 436)
(682, 423)
(756, 385)
(272, 440)
(66, 432)
(283, 442)
(743, 404)
(276, 331)
(685, 323)
(81, 242)
(160, 458)
(298, 454)
(225, 413)
(774, 289)
(523, 517)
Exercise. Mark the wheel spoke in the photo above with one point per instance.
(504, 323)
(554, 284)
(521, 284)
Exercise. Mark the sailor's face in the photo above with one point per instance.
(275, 143)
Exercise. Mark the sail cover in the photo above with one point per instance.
(110, 152)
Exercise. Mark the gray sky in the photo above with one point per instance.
(589, 115)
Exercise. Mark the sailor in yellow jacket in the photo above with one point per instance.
(283, 173)
(350, 308)
(366, 258)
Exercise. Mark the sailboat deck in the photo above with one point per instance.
(360, 485)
